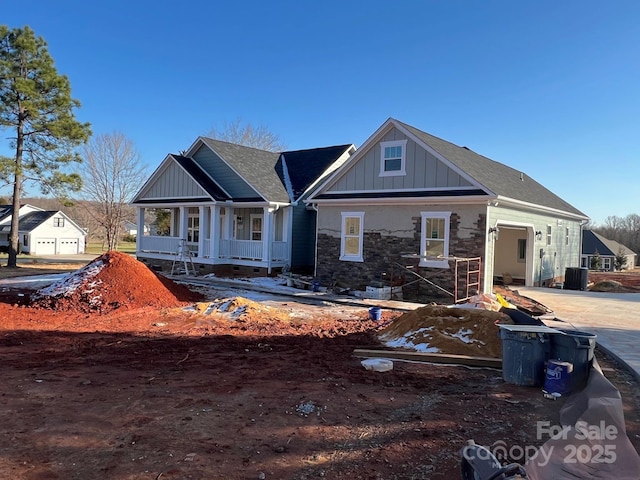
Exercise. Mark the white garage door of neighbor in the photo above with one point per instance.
(68, 246)
(46, 246)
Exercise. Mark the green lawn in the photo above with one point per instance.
(124, 247)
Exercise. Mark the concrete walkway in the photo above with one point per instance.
(613, 317)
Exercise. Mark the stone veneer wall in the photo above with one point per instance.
(383, 253)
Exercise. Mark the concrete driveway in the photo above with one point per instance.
(613, 317)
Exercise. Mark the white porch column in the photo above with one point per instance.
(183, 223)
(267, 236)
(214, 233)
(202, 229)
(287, 234)
(140, 227)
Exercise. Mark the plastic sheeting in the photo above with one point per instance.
(591, 441)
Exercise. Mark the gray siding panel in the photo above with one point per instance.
(174, 182)
(423, 170)
(223, 174)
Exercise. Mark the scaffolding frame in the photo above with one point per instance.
(471, 268)
(467, 275)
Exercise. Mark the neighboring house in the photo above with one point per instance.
(234, 209)
(131, 228)
(412, 206)
(593, 242)
(42, 232)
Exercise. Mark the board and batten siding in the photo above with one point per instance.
(423, 170)
(173, 182)
(557, 257)
(223, 174)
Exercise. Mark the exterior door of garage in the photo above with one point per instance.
(46, 246)
(68, 246)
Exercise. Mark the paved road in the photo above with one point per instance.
(613, 317)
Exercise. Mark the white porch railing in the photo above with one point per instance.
(238, 249)
(170, 245)
(244, 249)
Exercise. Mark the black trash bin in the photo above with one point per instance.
(576, 278)
(577, 348)
(524, 353)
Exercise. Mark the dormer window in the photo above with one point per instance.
(392, 158)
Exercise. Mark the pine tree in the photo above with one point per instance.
(621, 259)
(36, 105)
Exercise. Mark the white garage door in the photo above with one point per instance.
(68, 246)
(46, 246)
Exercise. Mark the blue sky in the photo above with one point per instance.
(548, 87)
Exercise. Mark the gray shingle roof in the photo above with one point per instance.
(5, 211)
(32, 220)
(256, 166)
(497, 177)
(592, 242)
(306, 166)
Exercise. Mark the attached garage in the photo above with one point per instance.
(68, 246)
(45, 246)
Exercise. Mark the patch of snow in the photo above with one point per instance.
(464, 335)
(408, 340)
(72, 281)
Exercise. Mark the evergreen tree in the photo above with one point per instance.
(596, 261)
(621, 259)
(36, 106)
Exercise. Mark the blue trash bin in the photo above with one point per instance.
(524, 354)
(577, 348)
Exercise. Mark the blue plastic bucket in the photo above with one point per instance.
(558, 378)
(375, 313)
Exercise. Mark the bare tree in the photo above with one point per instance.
(112, 174)
(248, 135)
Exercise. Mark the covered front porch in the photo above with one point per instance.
(214, 234)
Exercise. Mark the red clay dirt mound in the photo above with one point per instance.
(111, 281)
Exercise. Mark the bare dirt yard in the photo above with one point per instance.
(628, 280)
(135, 377)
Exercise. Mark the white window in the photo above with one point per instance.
(256, 227)
(549, 236)
(58, 222)
(606, 264)
(566, 236)
(522, 250)
(434, 241)
(352, 236)
(392, 158)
